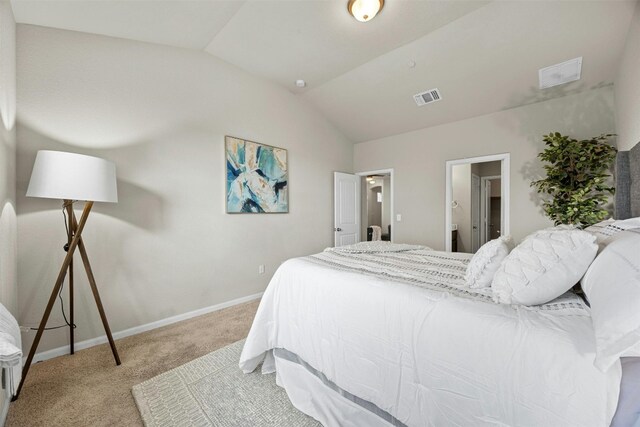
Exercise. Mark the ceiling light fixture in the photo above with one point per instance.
(365, 10)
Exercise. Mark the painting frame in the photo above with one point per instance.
(248, 188)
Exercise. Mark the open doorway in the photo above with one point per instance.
(363, 207)
(490, 202)
(477, 202)
(376, 206)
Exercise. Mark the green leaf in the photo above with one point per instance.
(577, 178)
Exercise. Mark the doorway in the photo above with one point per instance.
(363, 201)
(490, 200)
(477, 202)
(376, 206)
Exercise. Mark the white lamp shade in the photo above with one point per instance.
(71, 176)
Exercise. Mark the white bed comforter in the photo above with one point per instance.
(429, 357)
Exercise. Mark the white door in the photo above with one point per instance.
(475, 213)
(346, 194)
(486, 212)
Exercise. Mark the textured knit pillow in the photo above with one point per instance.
(486, 261)
(543, 267)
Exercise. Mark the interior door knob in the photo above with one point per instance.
(337, 229)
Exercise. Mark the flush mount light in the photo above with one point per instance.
(365, 10)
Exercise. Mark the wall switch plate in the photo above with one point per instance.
(261, 269)
(399, 217)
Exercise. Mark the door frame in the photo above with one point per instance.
(483, 201)
(476, 233)
(505, 175)
(388, 171)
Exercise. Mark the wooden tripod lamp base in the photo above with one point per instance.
(71, 176)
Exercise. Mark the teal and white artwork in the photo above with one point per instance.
(257, 178)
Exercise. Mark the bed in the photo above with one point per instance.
(385, 334)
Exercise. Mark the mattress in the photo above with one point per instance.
(401, 334)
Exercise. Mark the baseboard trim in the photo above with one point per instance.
(61, 351)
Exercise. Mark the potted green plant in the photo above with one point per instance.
(578, 183)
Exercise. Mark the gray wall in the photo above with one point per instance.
(627, 88)
(161, 114)
(487, 168)
(374, 208)
(419, 159)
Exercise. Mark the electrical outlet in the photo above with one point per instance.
(25, 329)
(399, 217)
(261, 269)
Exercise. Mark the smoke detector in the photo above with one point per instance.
(427, 97)
(558, 74)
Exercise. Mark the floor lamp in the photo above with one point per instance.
(71, 177)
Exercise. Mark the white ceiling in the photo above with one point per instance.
(318, 40)
(180, 23)
(484, 62)
(483, 56)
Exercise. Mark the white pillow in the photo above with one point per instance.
(486, 261)
(609, 227)
(612, 285)
(601, 230)
(544, 266)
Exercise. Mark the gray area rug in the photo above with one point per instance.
(213, 391)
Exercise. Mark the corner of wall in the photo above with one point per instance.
(627, 87)
(8, 245)
(8, 220)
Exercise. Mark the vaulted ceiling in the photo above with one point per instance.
(483, 56)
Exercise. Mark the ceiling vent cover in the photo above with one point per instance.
(565, 72)
(427, 97)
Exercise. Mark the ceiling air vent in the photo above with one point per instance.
(565, 72)
(427, 97)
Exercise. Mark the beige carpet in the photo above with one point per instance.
(87, 389)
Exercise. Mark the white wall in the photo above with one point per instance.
(8, 242)
(627, 88)
(419, 159)
(161, 114)
(8, 232)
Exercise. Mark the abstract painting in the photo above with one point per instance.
(257, 178)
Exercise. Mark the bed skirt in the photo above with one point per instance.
(310, 392)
